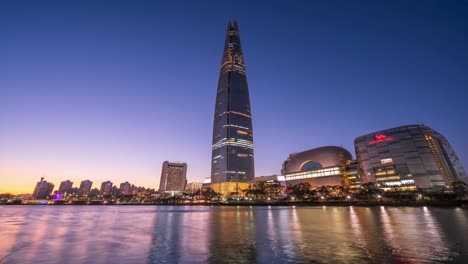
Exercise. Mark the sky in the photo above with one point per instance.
(109, 90)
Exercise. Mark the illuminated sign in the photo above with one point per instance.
(385, 161)
(380, 138)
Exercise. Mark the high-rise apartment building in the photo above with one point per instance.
(173, 177)
(106, 188)
(125, 188)
(85, 187)
(65, 186)
(232, 149)
(43, 189)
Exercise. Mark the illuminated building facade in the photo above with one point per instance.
(194, 186)
(106, 188)
(320, 166)
(352, 174)
(272, 178)
(85, 187)
(228, 188)
(408, 157)
(43, 189)
(173, 177)
(232, 149)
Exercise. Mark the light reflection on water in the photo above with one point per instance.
(191, 234)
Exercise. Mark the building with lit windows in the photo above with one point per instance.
(318, 167)
(85, 187)
(65, 187)
(106, 188)
(272, 178)
(173, 177)
(194, 186)
(352, 175)
(125, 188)
(408, 157)
(232, 146)
(43, 189)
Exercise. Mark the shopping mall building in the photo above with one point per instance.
(408, 157)
(328, 165)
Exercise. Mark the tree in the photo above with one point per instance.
(209, 194)
(369, 191)
(273, 190)
(301, 189)
(460, 189)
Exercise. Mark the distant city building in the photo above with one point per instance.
(408, 157)
(43, 189)
(94, 192)
(319, 167)
(232, 146)
(194, 186)
(115, 191)
(125, 188)
(85, 187)
(173, 177)
(65, 187)
(206, 183)
(272, 178)
(106, 188)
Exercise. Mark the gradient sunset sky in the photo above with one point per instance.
(108, 90)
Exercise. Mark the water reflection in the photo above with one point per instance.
(126, 234)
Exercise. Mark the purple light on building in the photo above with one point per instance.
(57, 196)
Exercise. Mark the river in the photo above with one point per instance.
(229, 234)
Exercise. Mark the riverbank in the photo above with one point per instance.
(441, 203)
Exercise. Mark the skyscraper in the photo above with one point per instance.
(173, 177)
(232, 149)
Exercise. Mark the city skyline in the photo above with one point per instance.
(101, 100)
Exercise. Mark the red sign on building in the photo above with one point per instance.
(380, 138)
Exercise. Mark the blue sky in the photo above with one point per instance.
(110, 89)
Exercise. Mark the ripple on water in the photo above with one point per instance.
(197, 234)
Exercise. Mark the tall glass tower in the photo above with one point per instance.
(233, 153)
